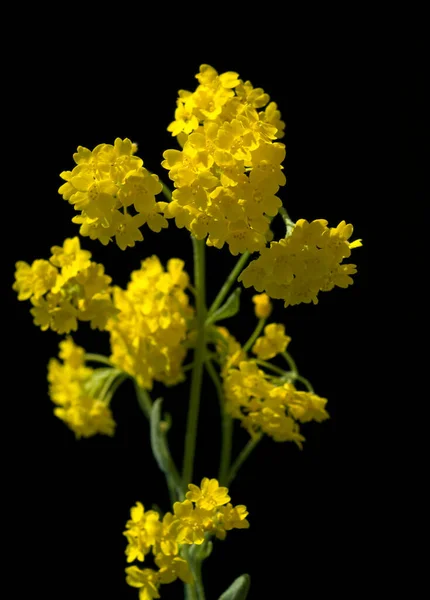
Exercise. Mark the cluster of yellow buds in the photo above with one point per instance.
(306, 262)
(73, 387)
(106, 183)
(205, 511)
(229, 170)
(65, 289)
(148, 333)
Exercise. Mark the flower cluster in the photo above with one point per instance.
(75, 388)
(65, 289)
(106, 183)
(229, 170)
(306, 262)
(206, 510)
(147, 336)
(264, 406)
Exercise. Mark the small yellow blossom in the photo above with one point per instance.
(273, 342)
(263, 306)
(172, 568)
(142, 531)
(230, 517)
(209, 495)
(146, 580)
(35, 280)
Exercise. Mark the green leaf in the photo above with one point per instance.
(160, 448)
(228, 309)
(158, 440)
(238, 590)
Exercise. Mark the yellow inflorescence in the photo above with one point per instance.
(148, 334)
(306, 262)
(206, 510)
(229, 170)
(264, 407)
(66, 289)
(106, 183)
(71, 388)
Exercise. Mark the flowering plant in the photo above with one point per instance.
(226, 175)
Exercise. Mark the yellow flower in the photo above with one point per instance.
(263, 306)
(70, 258)
(231, 517)
(209, 495)
(146, 580)
(272, 343)
(172, 567)
(191, 526)
(305, 406)
(142, 532)
(35, 280)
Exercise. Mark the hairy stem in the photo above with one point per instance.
(199, 352)
(242, 457)
(229, 282)
(259, 328)
(226, 425)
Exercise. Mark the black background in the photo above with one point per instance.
(70, 499)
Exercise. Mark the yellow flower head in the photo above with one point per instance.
(264, 406)
(306, 262)
(148, 334)
(66, 289)
(229, 169)
(114, 193)
(70, 388)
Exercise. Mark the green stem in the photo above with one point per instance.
(226, 427)
(166, 191)
(291, 363)
(199, 352)
(259, 328)
(289, 224)
(271, 367)
(143, 399)
(115, 385)
(229, 282)
(305, 381)
(199, 581)
(242, 457)
(98, 358)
